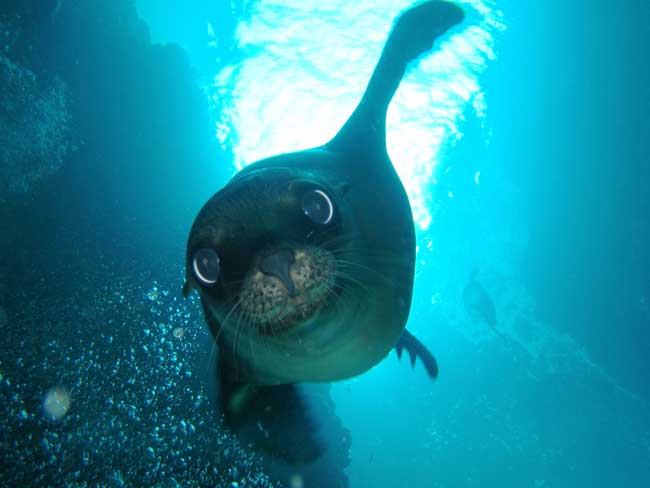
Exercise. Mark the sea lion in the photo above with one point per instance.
(479, 305)
(304, 262)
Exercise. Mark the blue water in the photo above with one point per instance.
(522, 141)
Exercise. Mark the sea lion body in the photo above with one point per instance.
(305, 261)
(345, 340)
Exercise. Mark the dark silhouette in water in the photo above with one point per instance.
(305, 262)
(479, 305)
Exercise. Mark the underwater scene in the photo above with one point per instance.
(324, 244)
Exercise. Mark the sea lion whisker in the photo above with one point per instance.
(343, 265)
(228, 315)
(215, 340)
(367, 253)
(239, 326)
(336, 298)
(340, 274)
(266, 341)
(337, 239)
(263, 339)
(248, 324)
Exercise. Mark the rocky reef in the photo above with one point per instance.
(106, 153)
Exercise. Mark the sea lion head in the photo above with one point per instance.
(272, 255)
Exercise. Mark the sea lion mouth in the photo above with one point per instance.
(277, 297)
(291, 320)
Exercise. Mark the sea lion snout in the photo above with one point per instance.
(286, 285)
(278, 264)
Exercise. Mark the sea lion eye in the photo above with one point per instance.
(206, 266)
(318, 207)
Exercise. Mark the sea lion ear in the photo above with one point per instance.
(187, 288)
(417, 350)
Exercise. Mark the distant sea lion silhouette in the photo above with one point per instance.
(304, 262)
(478, 304)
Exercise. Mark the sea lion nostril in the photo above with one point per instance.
(278, 264)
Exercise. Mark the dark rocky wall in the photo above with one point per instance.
(107, 152)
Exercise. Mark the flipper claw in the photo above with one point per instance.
(413, 356)
(416, 350)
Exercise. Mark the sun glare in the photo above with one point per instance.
(305, 66)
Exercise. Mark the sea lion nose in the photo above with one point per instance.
(278, 264)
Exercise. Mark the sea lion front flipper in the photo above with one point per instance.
(417, 350)
(412, 35)
(276, 419)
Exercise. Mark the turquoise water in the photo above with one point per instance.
(522, 141)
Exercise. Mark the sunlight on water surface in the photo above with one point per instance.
(305, 66)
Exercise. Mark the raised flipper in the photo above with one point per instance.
(417, 350)
(413, 35)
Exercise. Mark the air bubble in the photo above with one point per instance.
(56, 403)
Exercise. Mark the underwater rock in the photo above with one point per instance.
(4, 320)
(34, 116)
(34, 128)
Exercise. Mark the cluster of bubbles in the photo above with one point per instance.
(105, 385)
